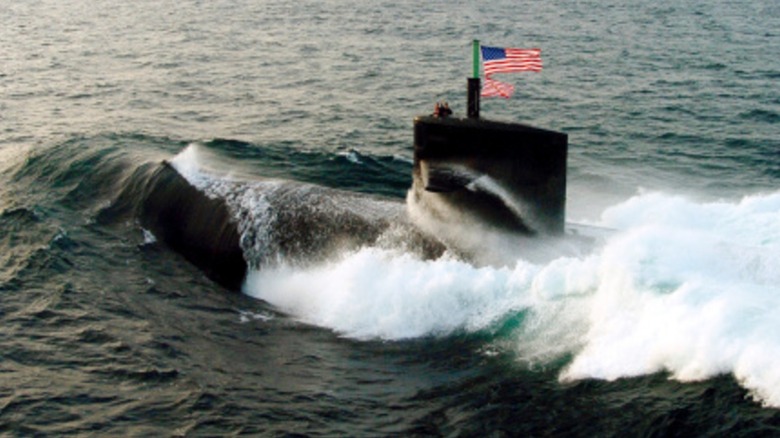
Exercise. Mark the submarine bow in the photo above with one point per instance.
(226, 227)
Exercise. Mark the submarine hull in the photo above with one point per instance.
(467, 172)
(251, 224)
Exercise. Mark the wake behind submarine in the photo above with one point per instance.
(468, 172)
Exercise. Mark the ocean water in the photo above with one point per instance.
(666, 326)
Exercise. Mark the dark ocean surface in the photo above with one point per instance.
(668, 326)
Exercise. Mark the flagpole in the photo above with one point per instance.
(474, 85)
(475, 47)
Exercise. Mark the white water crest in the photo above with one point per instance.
(689, 288)
(282, 220)
(188, 164)
(684, 287)
(149, 237)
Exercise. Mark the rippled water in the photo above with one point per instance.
(667, 327)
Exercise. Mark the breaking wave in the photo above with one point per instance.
(683, 287)
(680, 286)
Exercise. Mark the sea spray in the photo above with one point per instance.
(684, 287)
(689, 288)
(284, 221)
(376, 293)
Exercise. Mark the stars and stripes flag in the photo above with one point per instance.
(493, 88)
(507, 60)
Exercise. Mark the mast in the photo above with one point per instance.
(474, 85)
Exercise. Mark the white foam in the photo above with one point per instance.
(245, 316)
(351, 156)
(149, 237)
(684, 287)
(188, 164)
(689, 288)
(205, 170)
(375, 293)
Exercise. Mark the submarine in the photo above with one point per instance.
(467, 172)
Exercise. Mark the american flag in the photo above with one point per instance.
(494, 88)
(507, 60)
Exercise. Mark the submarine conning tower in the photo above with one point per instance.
(508, 176)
